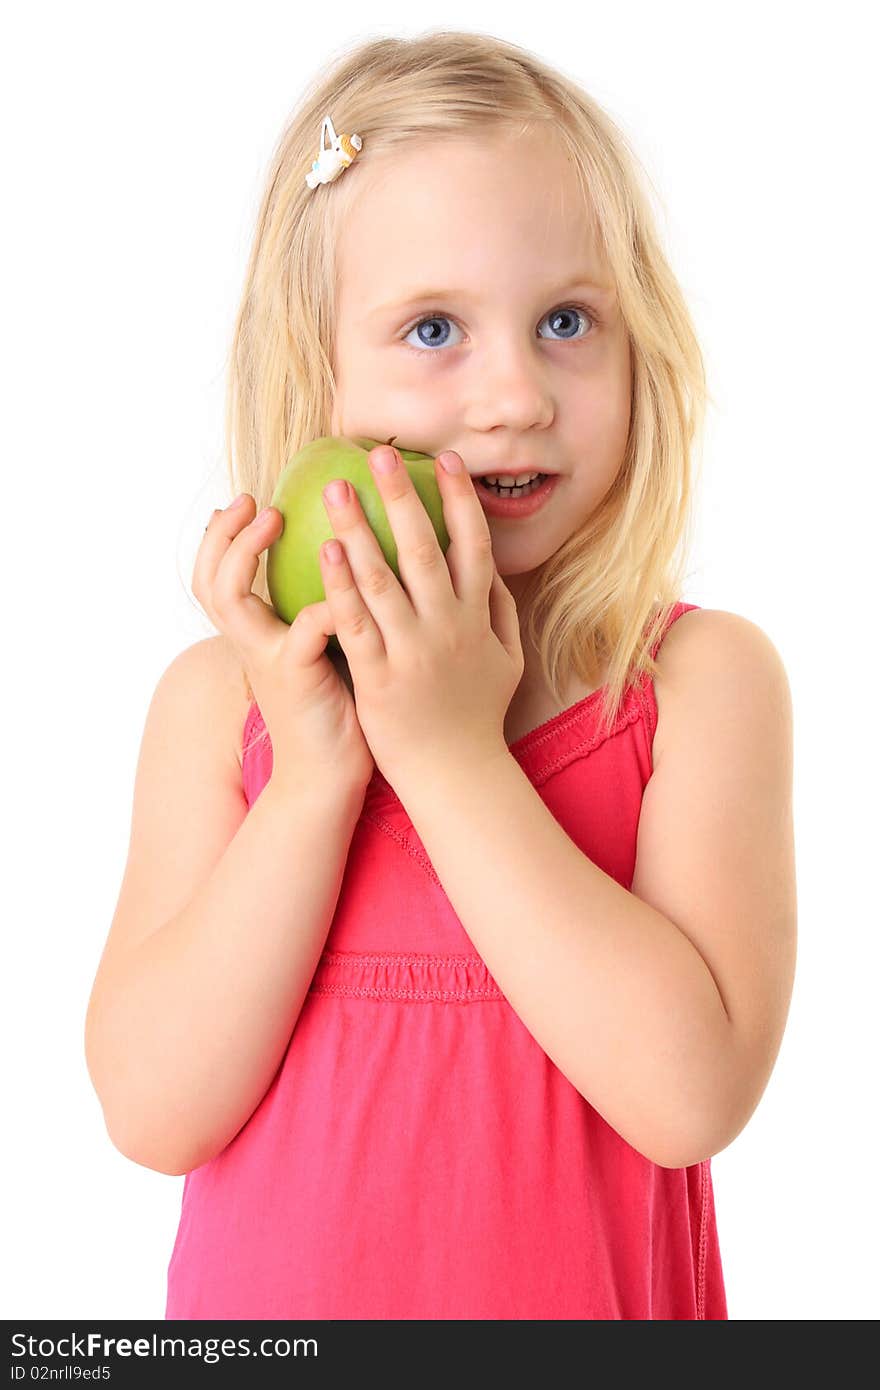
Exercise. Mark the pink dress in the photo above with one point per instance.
(417, 1154)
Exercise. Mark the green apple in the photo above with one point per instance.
(293, 567)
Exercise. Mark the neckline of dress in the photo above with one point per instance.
(531, 735)
(571, 711)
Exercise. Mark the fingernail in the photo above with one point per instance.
(384, 460)
(242, 496)
(336, 493)
(451, 462)
(263, 516)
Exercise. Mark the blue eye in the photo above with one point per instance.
(439, 338)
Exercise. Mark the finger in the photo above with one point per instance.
(469, 558)
(220, 531)
(309, 631)
(356, 629)
(419, 557)
(376, 585)
(245, 617)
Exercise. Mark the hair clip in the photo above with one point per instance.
(332, 159)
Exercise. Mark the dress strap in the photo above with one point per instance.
(673, 616)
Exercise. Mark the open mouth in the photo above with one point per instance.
(517, 489)
(515, 503)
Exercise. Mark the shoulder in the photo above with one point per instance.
(725, 666)
(213, 667)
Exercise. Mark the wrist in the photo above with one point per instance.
(467, 770)
(318, 794)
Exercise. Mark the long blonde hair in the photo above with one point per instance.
(599, 603)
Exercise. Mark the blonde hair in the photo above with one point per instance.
(604, 597)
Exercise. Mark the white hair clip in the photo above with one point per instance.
(333, 158)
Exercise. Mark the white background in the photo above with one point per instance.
(135, 143)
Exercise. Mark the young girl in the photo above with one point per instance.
(443, 977)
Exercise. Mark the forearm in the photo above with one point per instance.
(614, 992)
(192, 1025)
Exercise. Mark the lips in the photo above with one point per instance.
(515, 508)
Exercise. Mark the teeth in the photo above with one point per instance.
(507, 480)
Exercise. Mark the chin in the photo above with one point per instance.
(523, 566)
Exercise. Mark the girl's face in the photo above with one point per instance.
(474, 314)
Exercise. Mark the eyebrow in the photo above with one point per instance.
(433, 294)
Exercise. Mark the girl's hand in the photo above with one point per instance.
(435, 663)
(306, 707)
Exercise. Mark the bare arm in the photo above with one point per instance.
(190, 1027)
(222, 918)
(665, 1005)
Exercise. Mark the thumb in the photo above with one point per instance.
(504, 616)
(310, 629)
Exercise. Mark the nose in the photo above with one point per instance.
(511, 387)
